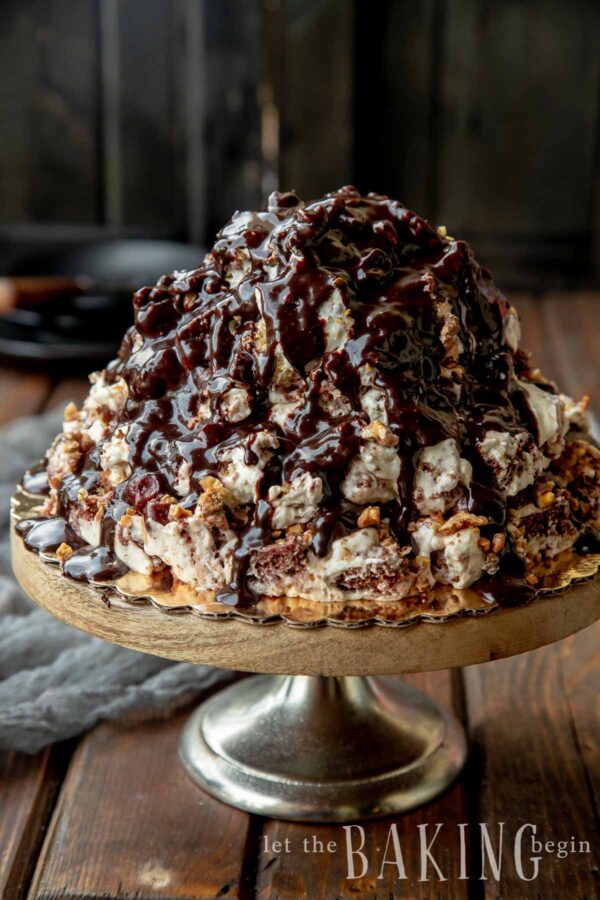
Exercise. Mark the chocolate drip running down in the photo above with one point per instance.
(256, 304)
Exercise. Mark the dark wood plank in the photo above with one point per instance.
(594, 270)
(222, 58)
(129, 823)
(556, 328)
(586, 309)
(510, 121)
(510, 175)
(21, 394)
(397, 94)
(568, 320)
(580, 662)
(323, 876)
(535, 337)
(142, 152)
(28, 790)
(316, 96)
(530, 770)
(48, 96)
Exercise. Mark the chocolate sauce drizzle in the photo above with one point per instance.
(199, 338)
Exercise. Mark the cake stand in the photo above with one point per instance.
(324, 734)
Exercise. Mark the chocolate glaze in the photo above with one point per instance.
(35, 481)
(94, 564)
(199, 338)
(46, 534)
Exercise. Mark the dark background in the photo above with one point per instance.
(160, 117)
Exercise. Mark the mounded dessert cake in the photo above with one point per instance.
(333, 406)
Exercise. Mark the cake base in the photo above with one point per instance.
(322, 749)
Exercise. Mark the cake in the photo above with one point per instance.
(333, 407)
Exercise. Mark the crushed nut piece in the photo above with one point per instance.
(179, 512)
(498, 542)
(369, 516)
(461, 520)
(210, 509)
(209, 483)
(71, 412)
(380, 433)
(546, 499)
(64, 552)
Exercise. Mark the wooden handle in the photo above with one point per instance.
(26, 293)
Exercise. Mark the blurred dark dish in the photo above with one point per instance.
(79, 322)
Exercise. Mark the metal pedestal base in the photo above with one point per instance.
(322, 749)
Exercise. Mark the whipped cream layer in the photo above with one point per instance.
(333, 405)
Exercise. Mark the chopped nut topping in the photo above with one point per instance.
(443, 233)
(210, 509)
(71, 412)
(461, 520)
(64, 552)
(380, 433)
(546, 499)
(179, 512)
(209, 483)
(498, 542)
(369, 516)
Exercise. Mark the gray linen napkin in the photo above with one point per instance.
(55, 681)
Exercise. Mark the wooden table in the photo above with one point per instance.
(112, 814)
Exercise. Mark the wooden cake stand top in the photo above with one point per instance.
(279, 648)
